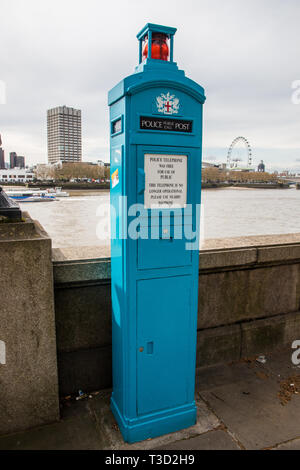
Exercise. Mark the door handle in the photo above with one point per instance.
(150, 347)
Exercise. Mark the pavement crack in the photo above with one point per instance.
(222, 424)
(216, 396)
(289, 441)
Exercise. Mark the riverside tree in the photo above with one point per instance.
(69, 171)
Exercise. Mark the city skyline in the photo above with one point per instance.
(253, 97)
(15, 161)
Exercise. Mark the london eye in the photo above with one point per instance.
(233, 162)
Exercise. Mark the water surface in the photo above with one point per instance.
(230, 212)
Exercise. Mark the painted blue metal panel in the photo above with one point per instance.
(162, 334)
(167, 250)
(154, 280)
(118, 255)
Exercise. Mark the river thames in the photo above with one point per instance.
(231, 212)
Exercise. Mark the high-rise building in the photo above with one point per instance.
(20, 162)
(2, 159)
(64, 134)
(13, 159)
(16, 161)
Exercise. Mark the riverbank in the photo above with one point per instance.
(64, 186)
(95, 191)
(87, 192)
(246, 185)
(93, 188)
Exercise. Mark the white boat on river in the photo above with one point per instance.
(58, 192)
(31, 195)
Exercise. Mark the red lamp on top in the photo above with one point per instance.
(159, 49)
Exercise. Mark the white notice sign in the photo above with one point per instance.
(166, 181)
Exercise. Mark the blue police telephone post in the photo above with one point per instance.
(156, 143)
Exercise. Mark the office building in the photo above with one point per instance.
(2, 159)
(16, 161)
(13, 160)
(20, 162)
(64, 135)
(16, 175)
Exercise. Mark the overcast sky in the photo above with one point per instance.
(245, 53)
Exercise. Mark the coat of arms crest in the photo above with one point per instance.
(167, 104)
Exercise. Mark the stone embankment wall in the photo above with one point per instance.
(28, 363)
(249, 303)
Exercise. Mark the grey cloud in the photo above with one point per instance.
(72, 52)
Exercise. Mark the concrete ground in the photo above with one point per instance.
(244, 405)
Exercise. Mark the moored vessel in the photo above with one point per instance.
(30, 196)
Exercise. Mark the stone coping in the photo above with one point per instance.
(250, 241)
(213, 244)
(25, 230)
(92, 263)
(80, 253)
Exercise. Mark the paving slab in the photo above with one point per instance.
(238, 407)
(291, 445)
(89, 424)
(80, 432)
(252, 412)
(213, 440)
(112, 438)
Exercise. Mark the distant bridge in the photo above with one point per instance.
(290, 179)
